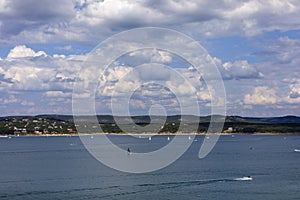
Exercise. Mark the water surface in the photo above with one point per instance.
(61, 168)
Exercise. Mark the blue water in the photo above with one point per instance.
(61, 168)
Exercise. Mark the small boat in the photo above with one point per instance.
(3, 136)
(150, 138)
(296, 150)
(128, 151)
(245, 178)
(168, 138)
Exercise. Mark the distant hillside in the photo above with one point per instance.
(55, 124)
(269, 120)
(175, 118)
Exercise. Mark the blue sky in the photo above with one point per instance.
(255, 45)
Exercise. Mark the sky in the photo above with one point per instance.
(255, 45)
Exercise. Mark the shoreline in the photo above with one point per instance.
(147, 134)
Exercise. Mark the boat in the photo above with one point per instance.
(245, 178)
(296, 150)
(128, 151)
(3, 136)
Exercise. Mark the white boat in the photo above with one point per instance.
(296, 150)
(245, 178)
(3, 136)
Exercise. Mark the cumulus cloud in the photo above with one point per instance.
(77, 19)
(239, 69)
(51, 79)
(22, 51)
(261, 95)
(122, 79)
(279, 97)
(294, 95)
(18, 16)
(149, 55)
(282, 65)
(21, 72)
(284, 50)
(57, 94)
(8, 100)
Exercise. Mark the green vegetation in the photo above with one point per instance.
(63, 124)
(34, 125)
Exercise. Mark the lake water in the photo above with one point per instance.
(61, 168)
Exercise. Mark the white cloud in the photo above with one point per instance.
(51, 78)
(204, 95)
(38, 74)
(89, 20)
(294, 95)
(261, 95)
(27, 103)
(22, 52)
(8, 100)
(152, 55)
(282, 61)
(57, 94)
(66, 48)
(25, 78)
(122, 79)
(240, 69)
(117, 73)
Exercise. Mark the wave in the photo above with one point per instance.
(196, 182)
(41, 151)
(46, 192)
(117, 191)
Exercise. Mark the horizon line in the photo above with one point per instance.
(144, 115)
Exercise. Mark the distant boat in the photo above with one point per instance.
(3, 136)
(190, 138)
(296, 150)
(128, 151)
(245, 178)
(150, 138)
(168, 138)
